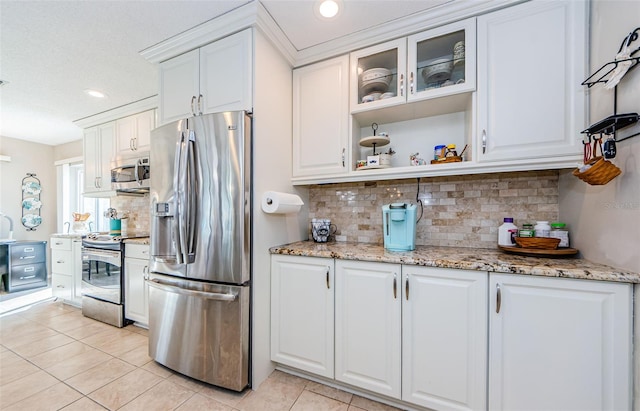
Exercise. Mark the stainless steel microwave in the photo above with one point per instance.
(131, 175)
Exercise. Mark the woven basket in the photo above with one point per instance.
(546, 243)
(601, 172)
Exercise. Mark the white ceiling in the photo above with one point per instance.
(50, 51)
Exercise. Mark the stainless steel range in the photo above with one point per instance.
(102, 277)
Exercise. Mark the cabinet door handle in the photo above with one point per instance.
(95, 182)
(135, 144)
(59, 243)
(395, 286)
(29, 270)
(484, 141)
(27, 277)
(498, 298)
(328, 285)
(60, 261)
(411, 82)
(200, 104)
(343, 152)
(193, 107)
(29, 257)
(131, 144)
(406, 288)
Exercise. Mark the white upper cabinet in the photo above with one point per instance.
(559, 344)
(431, 64)
(179, 87)
(225, 74)
(531, 61)
(133, 134)
(302, 309)
(321, 118)
(98, 149)
(214, 78)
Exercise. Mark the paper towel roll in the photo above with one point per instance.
(274, 202)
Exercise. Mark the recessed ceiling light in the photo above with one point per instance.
(328, 9)
(95, 93)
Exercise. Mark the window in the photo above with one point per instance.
(70, 199)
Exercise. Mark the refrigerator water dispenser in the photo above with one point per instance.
(399, 226)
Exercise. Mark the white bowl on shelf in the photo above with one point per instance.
(438, 70)
(376, 74)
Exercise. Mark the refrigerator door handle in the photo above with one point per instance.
(191, 198)
(177, 184)
(184, 205)
(193, 293)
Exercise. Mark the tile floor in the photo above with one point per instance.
(53, 358)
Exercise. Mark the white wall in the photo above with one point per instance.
(272, 171)
(27, 157)
(605, 220)
(67, 150)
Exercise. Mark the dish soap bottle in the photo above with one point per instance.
(506, 232)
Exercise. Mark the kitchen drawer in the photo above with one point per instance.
(60, 243)
(26, 274)
(62, 286)
(62, 262)
(29, 253)
(137, 251)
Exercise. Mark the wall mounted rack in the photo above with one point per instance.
(612, 124)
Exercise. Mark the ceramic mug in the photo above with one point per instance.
(322, 229)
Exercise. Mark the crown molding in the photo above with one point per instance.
(274, 33)
(136, 107)
(222, 26)
(425, 20)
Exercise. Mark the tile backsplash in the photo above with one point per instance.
(462, 211)
(138, 208)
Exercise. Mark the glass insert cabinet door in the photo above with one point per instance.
(378, 76)
(442, 61)
(430, 64)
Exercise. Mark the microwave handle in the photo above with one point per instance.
(135, 172)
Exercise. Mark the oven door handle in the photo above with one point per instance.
(191, 293)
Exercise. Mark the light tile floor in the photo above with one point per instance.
(53, 358)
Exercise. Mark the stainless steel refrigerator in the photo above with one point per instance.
(200, 264)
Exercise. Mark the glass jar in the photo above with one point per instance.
(526, 230)
(558, 230)
(542, 229)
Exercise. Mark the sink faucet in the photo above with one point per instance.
(68, 224)
(10, 237)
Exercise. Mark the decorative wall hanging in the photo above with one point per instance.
(31, 202)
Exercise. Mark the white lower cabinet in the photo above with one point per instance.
(444, 338)
(136, 290)
(559, 344)
(302, 308)
(368, 329)
(66, 269)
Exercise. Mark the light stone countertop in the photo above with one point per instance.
(140, 240)
(68, 235)
(481, 259)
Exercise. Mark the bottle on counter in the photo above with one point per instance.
(542, 229)
(507, 232)
(558, 230)
(526, 230)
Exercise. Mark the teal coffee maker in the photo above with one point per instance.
(399, 226)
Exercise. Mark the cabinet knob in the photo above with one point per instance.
(411, 82)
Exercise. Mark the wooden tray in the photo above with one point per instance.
(451, 159)
(537, 252)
